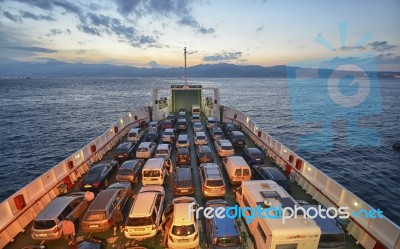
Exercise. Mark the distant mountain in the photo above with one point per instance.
(54, 68)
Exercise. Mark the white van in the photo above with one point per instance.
(145, 216)
(237, 168)
(154, 171)
(295, 233)
(135, 134)
(196, 109)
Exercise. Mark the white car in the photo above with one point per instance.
(168, 135)
(146, 150)
(135, 134)
(182, 141)
(184, 231)
(197, 126)
(211, 122)
(224, 148)
(163, 151)
(195, 118)
(200, 138)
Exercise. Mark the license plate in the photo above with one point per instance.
(42, 235)
(139, 229)
(258, 159)
(93, 226)
(153, 179)
(88, 186)
(120, 156)
(184, 190)
(183, 240)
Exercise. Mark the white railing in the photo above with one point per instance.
(37, 194)
(370, 233)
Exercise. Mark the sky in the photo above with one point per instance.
(153, 33)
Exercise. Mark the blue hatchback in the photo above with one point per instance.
(224, 232)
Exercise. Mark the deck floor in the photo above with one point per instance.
(119, 241)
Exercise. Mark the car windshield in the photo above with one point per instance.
(94, 174)
(121, 150)
(95, 215)
(182, 141)
(227, 147)
(228, 241)
(162, 152)
(151, 173)
(184, 183)
(215, 183)
(218, 133)
(43, 224)
(139, 221)
(125, 172)
(183, 230)
(167, 133)
(201, 137)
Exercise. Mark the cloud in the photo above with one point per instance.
(348, 48)
(388, 58)
(27, 14)
(12, 17)
(54, 32)
(49, 5)
(153, 64)
(126, 7)
(224, 56)
(381, 46)
(33, 49)
(190, 21)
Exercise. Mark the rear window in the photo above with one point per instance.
(140, 221)
(201, 137)
(228, 241)
(331, 238)
(162, 151)
(143, 149)
(239, 136)
(183, 230)
(167, 133)
(95, 215)
(125, 172)
(43, 224)
(246, 172)
(183, 183)
(215, 183)
(151, 173)
(218, 132)
(132, 134)
(224, 147)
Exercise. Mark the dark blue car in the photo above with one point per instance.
(253, 156)
(98, 176)
(224, 232)
(271, 173)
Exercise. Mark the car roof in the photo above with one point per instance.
(224, 227)
(204, 148)
(327, 225)
(144, 144)
(181, 214)
(200, 133)
(54, 208)
(143, 204)
(152, 131)
(212, 172)
(225, 142)
(211, 119)
(128, 164)
(253, 150)
(134, 129)
(274, 173)
(102, 199)
(124, 145)
(237, 133)
(163, 146)
(182, 150)
(183, 173)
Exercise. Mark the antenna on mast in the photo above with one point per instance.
(185, 65)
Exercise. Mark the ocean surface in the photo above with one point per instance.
(42, 121)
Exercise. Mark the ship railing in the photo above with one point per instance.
(370, 233)
(22, 207)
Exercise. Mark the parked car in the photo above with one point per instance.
(172, 118)
(204, 154)
(182, 141)
(253, 156)
(130, 171)
(169, 136)
(237, 139)
(125, 151)
(163, 151)
(182, 156)
(98, 176)
(197, 126)
(200, 138)
(92, 243)
(125, 186)
(195, 118)
(152, 135)
(224, 148)
(216, 133)
(49, 222)
(154, 125)
(168, 124)
(271, 173)
(184, 232)
(228, 128)
(212, 181)
(183, 181)
(211, 122)
(136, 134)
(222, 232)
(145, 150)
(98, 217)
(182, 112)
(182, 125)
(144, 218)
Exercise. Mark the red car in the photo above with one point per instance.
(168, 124)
